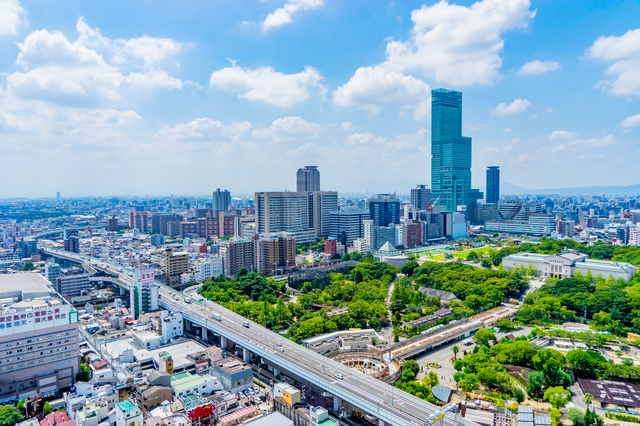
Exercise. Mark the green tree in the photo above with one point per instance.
(409, 267)
(28, 266)
(557, 396)
(433, 379)
(84, 375)
(588, 398)
(20, 405)
(518, 395)
(472, 257)
(455, 349)
(536, 382)
(10, 415)
(469, 382)
(555, 415)
(47, 408)
(484, 337)
(576, 416)
(412, 368)
(531, 270)
(458, 365)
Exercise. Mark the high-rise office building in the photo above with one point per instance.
(274, 252)
(159, 222)
(58, 195)
(308, 179)
(238, 253)
(321, 204)
(384, 209)
(450, 154)
(493, 184)
(221, 200)
(421, 197)
(347, 220)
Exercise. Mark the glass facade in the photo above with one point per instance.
(450, 153)
(493, 184)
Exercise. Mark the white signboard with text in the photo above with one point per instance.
(36, 319)
(145, 276)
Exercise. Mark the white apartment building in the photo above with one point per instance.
(208, 268)
(634, 235)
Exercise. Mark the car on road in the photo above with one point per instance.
(279, 344)
(281, 349)
(339, 376)
(246, 323)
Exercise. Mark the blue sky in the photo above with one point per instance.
(163, 98)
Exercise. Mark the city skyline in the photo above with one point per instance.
(102, 102)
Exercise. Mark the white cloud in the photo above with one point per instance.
(624, 51)
(459, 45)
(267, 85)
(539, 67)
(10, 17)
(57, 70)
(347, 125)
(507, 130)
(450, 44)
(632, 121)
(562, 135)
(284, 14)
(152, 79)
(201, 130)
(357, 139)
(596, 142)
(289, 127)
(518, 105)
(373, 88)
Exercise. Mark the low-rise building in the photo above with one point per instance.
(185, 383)
(566, 263)
(128, 414)
(234, 374)
(153, 396)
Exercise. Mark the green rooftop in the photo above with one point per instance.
(180, 376)
(327, 422)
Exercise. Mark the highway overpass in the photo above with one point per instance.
(390, 405)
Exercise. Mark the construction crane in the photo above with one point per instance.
(434, 203)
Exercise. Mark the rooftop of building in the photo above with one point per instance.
(126, 406)
(25, 285)
(179, 352)
(231, 365)
(188, 380)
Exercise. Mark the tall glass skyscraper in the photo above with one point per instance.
(450, 154)
(493, 184)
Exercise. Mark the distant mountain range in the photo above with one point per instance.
(510, 189)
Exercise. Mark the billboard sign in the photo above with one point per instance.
(36, 319)
(145, 276)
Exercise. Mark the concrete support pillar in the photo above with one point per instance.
(382, 423)
(223, 342)
(122, 291)
(245, 354)
(204, 333)
(337, 403)
(276, 373)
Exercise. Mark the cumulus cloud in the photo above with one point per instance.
(450, 44)
(58, 70)
(624, 52)
(460, 45)
(562, 135)
(372, 88)
(267, 85)
(518, 105)
(539, 67)
(632, 121)
(201, 130)
(284, 14)
(10, 17)
(289, 128)
(347, 125)
(357, 139)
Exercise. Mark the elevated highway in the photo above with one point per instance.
(390, 405)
